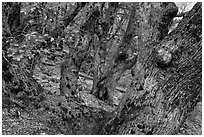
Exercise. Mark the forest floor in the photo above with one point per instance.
(47, 119)
(32, 122)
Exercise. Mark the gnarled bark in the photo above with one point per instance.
(171, 89)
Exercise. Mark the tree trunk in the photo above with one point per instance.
(69, 17)
(143, 23)
(69, 78)
(102, 45)
(172, 83)
(116, 61)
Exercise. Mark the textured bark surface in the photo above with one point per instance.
(171, 88)
(69, 17)
(149, 22)
(68, 79)
(116, 62)
(164, 96)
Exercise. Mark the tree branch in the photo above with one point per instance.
(70, 18)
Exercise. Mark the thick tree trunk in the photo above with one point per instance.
(116, 62)
(172, 87)
(102, 45)
(143, 23)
